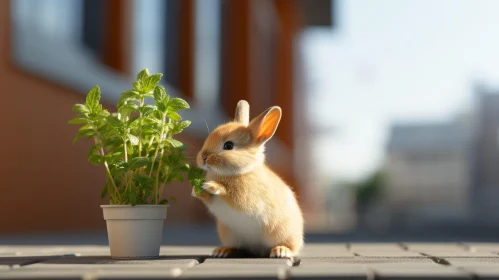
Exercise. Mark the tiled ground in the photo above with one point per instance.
(317, 261)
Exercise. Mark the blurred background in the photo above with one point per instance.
(391, 108)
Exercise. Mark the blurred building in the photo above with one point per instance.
(485, 184)
(212, 52)
(428, 169)
(446, 172)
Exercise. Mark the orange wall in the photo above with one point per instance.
(46, 182)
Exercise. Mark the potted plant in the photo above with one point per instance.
(137, 148)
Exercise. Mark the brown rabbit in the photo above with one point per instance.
(254, 208)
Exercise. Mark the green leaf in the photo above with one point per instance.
(150, 130)
(130, 94)
(109, 133)
(118, 172)
(139, 162)
(112, 156)
(150, 82)
(177, 176)
(174, 143)
(152, 120)
(127, 96)
(160, 95)
(180, 126)
(93, 98)
(115, 123)
(104, 113)
(131, 122)
(84, 132)
(195, 176)
(143, 74)
(137, 85)
(146, 110)
(129, 149)
(133, 198)
(78, 121)
(128, 108)
(177, 104)
(133, 139)
(162, 107)
(80, 108)
(144, 181)
(95, 160)
(163, 201)
(174, 116)
(103, 192)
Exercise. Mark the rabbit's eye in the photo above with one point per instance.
(228, 145)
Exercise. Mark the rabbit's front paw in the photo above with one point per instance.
(281, 252)
(193, 193)
(223, 252)
(213, 188)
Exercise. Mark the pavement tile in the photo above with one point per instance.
(447, 250)
(381, 253)
(54, 250)
(450, 254)
(248, 268)
(249, 262)
(96, 250)
(325, 250)
(105, 262)
(329, 272)
(491, 272)
(103, 272)
(363, 261)
(470, 262)
(186, 250)
(375, 246)
(381, 249)
(426, 271)
(48, 275)
(483, 247)
(249, 272)
(435, 247)
(13, 262)
(137, 274)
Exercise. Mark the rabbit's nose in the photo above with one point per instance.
(204, 155)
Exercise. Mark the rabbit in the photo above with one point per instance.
(255, 210)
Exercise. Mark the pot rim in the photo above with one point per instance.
(138, 206)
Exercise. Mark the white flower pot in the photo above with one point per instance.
(134, 232)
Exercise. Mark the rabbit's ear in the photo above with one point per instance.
(264, 126)
(242, 112)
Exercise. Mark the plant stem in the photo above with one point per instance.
(156, 154)
(150, 143)
(96, 141)
(140, 126)
(164, 182)
(159, 168)
(124, 148)
(157, 177)
(126, 160)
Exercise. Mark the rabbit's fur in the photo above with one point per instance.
(254, 208)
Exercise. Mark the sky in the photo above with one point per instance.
(391, 62)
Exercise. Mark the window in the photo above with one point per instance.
(49, 40)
